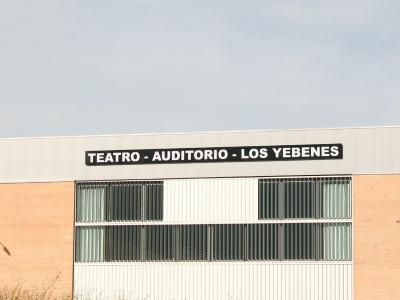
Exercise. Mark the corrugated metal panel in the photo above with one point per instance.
(366, 151)
(210, 200)
(214, 281)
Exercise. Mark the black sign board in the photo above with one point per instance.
(214, 154)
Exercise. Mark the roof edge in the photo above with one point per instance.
(198, 132)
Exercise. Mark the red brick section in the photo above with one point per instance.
(36, 229)
(376, 229)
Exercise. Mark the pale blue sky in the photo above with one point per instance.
(94, 67)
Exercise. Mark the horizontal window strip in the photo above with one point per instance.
(215, 242)
(304, 198)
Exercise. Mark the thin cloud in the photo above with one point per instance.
(72, 67)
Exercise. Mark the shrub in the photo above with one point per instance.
(19, 292)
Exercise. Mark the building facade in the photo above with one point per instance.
(288, 214)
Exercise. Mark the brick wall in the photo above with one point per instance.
(376, 230)
(36, 227)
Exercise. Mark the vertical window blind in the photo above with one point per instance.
(119, 201)
(304, 198)
(215, 242)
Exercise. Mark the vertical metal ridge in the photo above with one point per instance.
(215, 281)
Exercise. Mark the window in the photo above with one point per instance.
(122, 243)
(192, 242)
(303, 241)
(263, 241)
(228, 242)
(292, 199)
(125, 201)
(160, 243)
(268, 198)
(153, 204)
(90, 204)
(304, 198)
(89, 244)
(216, 242)
(119, 201)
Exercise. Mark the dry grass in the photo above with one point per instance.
(19, 292)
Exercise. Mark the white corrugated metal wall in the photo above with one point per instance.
(214, 281)
(208, 201)
(366, 151)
